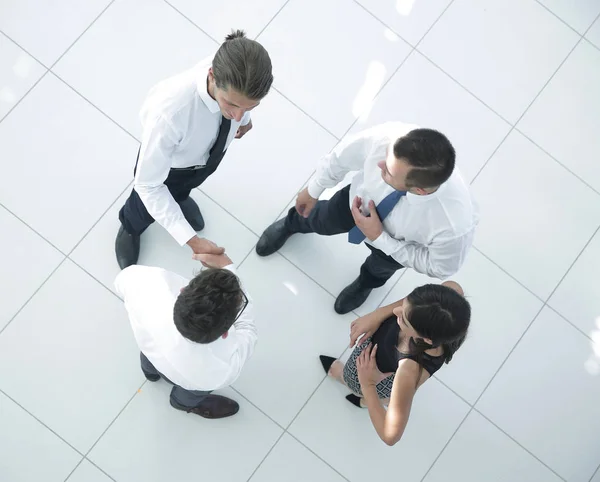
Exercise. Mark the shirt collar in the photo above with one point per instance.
(210, 103)
(416, 199)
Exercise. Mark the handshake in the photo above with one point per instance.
(208, 253)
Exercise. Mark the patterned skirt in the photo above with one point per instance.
(384, 387)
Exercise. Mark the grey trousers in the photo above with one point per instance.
(181, 397)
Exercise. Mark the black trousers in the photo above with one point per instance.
(335, 217)
(179, 395)
(134, 216)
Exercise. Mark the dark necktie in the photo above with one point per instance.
(217, 151)
(356, 236)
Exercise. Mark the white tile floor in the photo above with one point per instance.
(515, 85)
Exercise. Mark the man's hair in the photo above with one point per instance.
(430, 154)
(243, 65)
(208, 305)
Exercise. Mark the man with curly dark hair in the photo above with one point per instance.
(196, 334)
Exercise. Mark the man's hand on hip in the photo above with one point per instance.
(305, 203)
(204, 246)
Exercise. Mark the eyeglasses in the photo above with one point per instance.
(244, 305)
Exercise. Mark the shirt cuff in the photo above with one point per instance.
(314, 190)
(182, 232)
(231, 267)
(385, 243)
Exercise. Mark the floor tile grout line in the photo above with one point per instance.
(272, 18)
(250, 402)
(24, 49)
(18, 102)
(34, 230)
(559, 17)
(495, 263)
(545, 303)
(467, 402)
(39, 421)
(192, 22)
(573, 263)
(393, 74)
(392, 29)
(592, 43)
(509, 355)
(305, 403)
(573, 173)
(65, 257)
(265, 457)
(100, 469)
(434, 24)
(276, 89)
(514, 126)
(98, 220)
(115, 419)
(439, 455)
(594, 474)
(286, 429)
(318, 456)
(74, 469)
(58, 77)
(457, 82)
(81, 34)
(199, 188)
(515, 441)
(384, 24)
(96, 279)
(376, 96)
(46, 70)
(32, 295)
(564, 318)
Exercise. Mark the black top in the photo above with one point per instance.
(388, 356)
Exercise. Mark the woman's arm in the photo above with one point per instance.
(368, 324)
(390, 424)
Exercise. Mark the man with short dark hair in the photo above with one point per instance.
(407, 202)
(196, 334)
(188, 122)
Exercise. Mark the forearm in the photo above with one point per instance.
(384, 312)
(377, 412)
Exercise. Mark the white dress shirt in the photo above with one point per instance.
(430, 233)
(149, 295)
(180, 123)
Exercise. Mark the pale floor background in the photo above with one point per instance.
(513, 83)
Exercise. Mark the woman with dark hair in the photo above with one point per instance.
(402, 345)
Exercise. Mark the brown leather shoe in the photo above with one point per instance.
(213, 406)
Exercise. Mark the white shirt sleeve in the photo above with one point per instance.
(123, 281)
(245, 334)
(158, 143)
(441, 259)
(349, 155)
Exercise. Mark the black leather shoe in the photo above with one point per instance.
(273, 238)
(127, 248)
(213, 406)
(150, 377)
(192, 214)
(351, 297)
